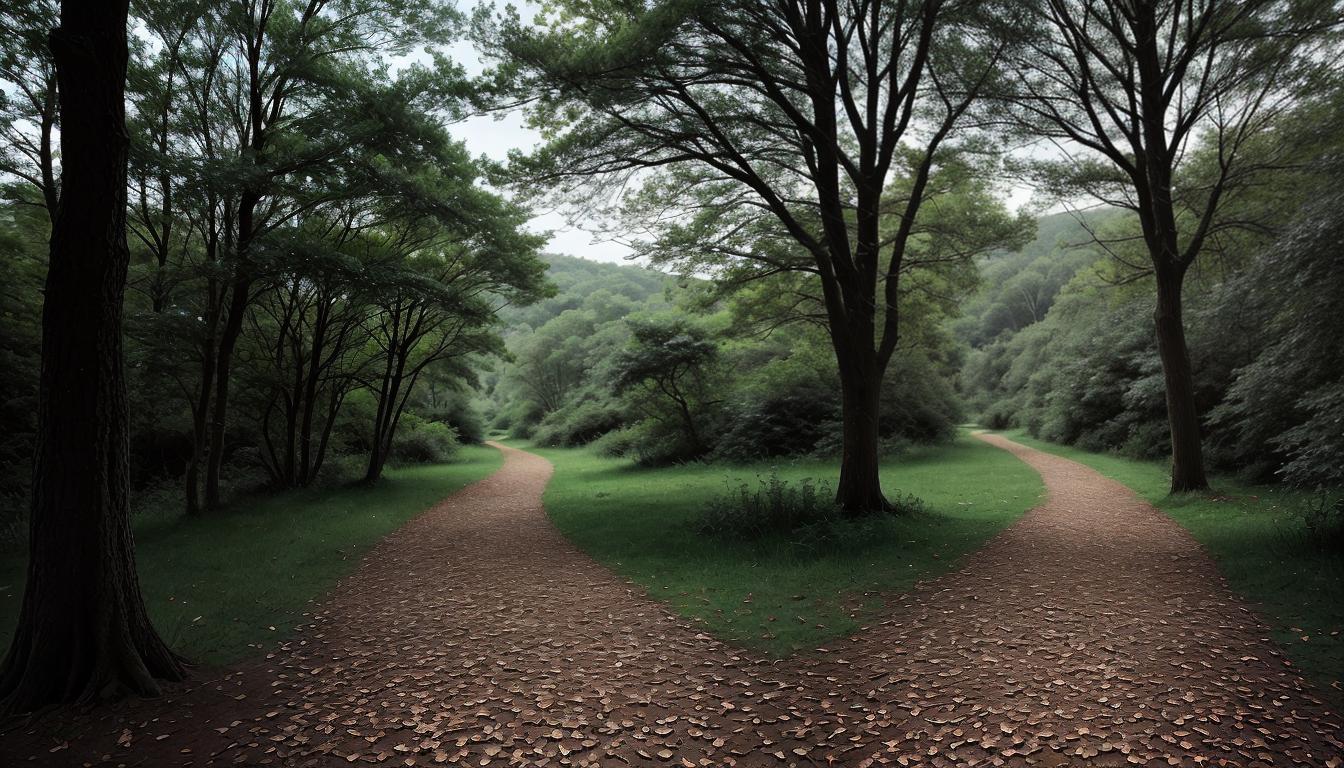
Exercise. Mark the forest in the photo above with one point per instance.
(916, 348)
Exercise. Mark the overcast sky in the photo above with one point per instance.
(496, 136)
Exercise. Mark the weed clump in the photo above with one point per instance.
(805, 510)
(1322, 520)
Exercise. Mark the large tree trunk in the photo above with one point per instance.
(1187, 457)
(83, 631)
(860, 488)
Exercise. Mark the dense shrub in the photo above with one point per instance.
(618, 442)
(786, 425)
(578, 424)
(918, 404)
(459, 413)
(1322, 518)
(423, 442)
(774, 506)
(659, 442)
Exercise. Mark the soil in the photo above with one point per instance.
(1093, 632)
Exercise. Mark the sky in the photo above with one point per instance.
(494, 136)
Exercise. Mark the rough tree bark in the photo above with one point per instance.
(83, 632)
(860, 487)
(1187, 456)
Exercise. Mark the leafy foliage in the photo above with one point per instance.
(304, 230)
(1263, 331)
(768, 389)
(424, 442)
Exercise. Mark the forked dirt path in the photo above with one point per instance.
(1093, 632)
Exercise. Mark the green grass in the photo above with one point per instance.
(1262, 549)
(224, 586)
(776, 596)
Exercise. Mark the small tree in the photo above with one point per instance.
(1125, 90)
(309, 337)
(669, 362)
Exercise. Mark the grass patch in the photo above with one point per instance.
(775, 594)
(223, 586)
(1261, 546)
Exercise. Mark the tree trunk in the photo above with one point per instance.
(191, 481)
(381, 444)
(860, 488)
(200, 431)
(51, 192)
(1187, 458)
(83, 631)
(228, 339)
(377, 460)
(688, 423)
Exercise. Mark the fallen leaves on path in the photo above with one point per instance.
(1094, 632)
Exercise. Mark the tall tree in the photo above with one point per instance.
(1123, 90)
(302, 100)
(769, 121)
(83, 631)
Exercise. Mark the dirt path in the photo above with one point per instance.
(1092, 632)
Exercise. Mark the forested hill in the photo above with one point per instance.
(656, 369)
(1055, 338)
(557, 346)
(587, 284)
(1017, 288)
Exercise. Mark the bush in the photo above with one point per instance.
(776, 507)
(466, 422)
(786, 425)
(918, 404)
(423, 442)
(577, 424)
(773, 507)
(618, 443)
(1322, 516)
(649, 443)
